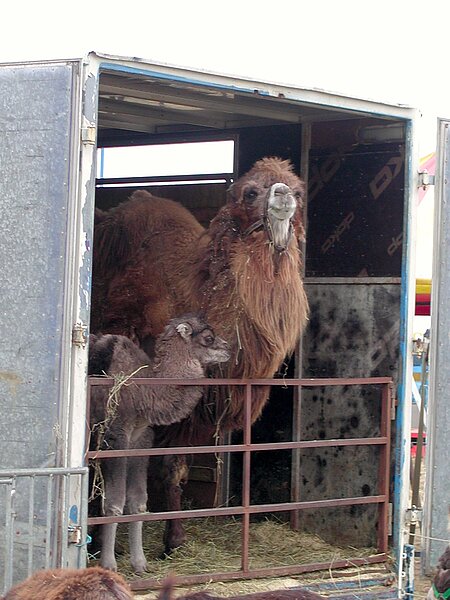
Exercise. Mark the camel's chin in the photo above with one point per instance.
(281, 231)
(281, 214)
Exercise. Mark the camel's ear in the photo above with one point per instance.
(185, 330)
(232, 191)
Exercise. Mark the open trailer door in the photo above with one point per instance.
(436, 522)
(45, 259)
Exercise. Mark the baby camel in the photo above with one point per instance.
(183, 351)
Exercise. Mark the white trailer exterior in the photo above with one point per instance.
(49, 123)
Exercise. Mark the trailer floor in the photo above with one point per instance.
(370, 584)
(345, 584)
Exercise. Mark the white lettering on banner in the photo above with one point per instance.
(335, 236)
(386, 176)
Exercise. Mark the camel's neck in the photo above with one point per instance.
(261, 312)
(171, 368)
(167, 404)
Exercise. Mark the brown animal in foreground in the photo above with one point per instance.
(167, 593)
(153, 260)
(183, 351)
(71, 584)
(441, 579)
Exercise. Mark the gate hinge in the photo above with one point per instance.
(390, 518)
(425, 179)
(79, 335)
(413, 515)
(88, 134)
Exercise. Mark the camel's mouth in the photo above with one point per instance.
(281, 202)
(279, 209)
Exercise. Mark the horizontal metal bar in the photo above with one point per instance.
(376, 441)
(313, 382)
(163, 178)
(353, 280)
(42, 472)
(349, 585)
(238, 510)
(152, 583)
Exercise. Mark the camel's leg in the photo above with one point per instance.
(137, 469)
(175, 474)
(115, 477)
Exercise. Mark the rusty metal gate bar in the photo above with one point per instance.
(247, 447)
(9, 479)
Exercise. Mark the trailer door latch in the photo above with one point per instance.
(413, 515)
(88, 135)
(79, 335)
(425, 179)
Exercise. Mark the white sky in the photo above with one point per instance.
(394, 50)
(190, 158)
(384, 49)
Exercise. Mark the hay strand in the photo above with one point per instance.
(214, 545)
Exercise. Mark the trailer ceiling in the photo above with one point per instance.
(132, 106)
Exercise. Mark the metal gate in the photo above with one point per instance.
(379, 498)
(30, 536)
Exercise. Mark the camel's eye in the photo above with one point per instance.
(250, 195)
(298, 195)
(208, 340)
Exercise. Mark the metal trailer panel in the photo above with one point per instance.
(39, 163)
(360, 340)
(311, 96)
(402, 455)
(35, 117)
(436, 523)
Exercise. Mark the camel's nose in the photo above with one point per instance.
(281, 189)
(282, 202)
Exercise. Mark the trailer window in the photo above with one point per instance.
(166, 159)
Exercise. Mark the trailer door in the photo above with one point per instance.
(45, 257)
(436, 526)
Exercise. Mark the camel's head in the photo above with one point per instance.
(270, 197)
(440, 589)
(201, 342)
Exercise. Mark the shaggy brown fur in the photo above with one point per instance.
(71, 584)
(152, 260)
(441, 578)
(167, 593)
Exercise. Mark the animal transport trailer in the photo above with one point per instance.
(58, 121)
